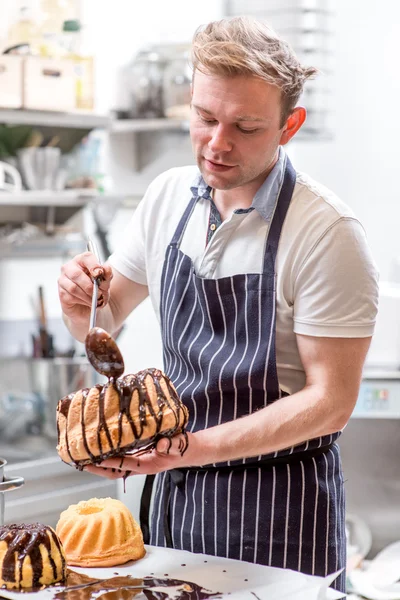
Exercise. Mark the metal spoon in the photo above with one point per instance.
(101, 349)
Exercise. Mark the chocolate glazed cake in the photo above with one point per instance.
(31, 556)
(124, 416)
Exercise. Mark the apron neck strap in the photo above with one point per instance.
(180, 230)
(279, 215)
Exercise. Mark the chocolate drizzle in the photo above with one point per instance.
(25, 541)
(133, 395)
(127, 587)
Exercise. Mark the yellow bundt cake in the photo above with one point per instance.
(100, 532)
(31, 556)
(124, 415)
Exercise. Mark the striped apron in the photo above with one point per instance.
(284, 509)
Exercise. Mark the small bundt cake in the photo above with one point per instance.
(124, 415)
(31, 556)
(100, 532)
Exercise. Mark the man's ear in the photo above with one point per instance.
(293, 124)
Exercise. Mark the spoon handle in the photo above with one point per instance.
(93, 309)
(91, 247)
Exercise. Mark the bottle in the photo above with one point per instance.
(53, 15)
(25, 29)
(144, 76)
(84, 78)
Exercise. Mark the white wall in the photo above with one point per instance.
(361, 164)
(116, 29)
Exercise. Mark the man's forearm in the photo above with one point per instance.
(288, 422)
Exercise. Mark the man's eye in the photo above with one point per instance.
(204, 120)
(247, 130)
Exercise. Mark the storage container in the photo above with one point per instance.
(49, 84)
(11, 81)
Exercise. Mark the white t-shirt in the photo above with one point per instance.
(327, 283)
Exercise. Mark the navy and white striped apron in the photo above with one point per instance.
(284, 509)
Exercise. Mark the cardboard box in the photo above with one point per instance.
(49, 84)
(11, 81)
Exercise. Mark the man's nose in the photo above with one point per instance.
(220, 141)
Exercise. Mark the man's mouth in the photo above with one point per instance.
(217, 166)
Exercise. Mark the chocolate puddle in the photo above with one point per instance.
(83, 587)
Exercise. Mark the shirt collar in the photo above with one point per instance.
(265, 199)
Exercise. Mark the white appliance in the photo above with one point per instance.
(384, 351)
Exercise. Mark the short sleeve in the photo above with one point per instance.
(336, 288)
(129, 256)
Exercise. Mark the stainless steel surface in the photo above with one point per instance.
(95, 295)
(7, 485)
(370, 451)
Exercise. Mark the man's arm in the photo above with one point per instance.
(333, 369)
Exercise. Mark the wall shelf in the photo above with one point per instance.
(54, 119)
(89, 121)
(66, 198)
(139, 125)
(42, 247)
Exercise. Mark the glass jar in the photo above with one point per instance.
(177, 85)
(145, 78)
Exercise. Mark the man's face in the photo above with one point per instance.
(235, 129)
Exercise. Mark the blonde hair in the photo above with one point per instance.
(245, 46)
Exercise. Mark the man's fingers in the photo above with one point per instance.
(89, 263)
(71, 293)
(107, 273)
(171, 446)
(123, 463)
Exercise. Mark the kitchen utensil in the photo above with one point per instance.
(101, 349)
(10, 179)
(6, 485)
(39, 167)
(378, 580)
(46, 340)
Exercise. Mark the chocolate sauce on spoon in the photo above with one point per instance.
(103, 353)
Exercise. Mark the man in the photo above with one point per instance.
(267, 296)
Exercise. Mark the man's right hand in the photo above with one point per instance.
(75, 286)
